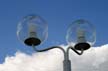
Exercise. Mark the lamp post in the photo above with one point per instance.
(81, 35)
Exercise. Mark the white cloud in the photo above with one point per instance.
(94, 59)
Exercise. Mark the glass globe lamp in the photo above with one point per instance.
(32, 30)
(81, 34)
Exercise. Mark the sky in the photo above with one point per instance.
(59, 14)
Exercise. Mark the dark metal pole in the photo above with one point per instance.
(66, 65)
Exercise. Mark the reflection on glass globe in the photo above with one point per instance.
(81, 34)
(32, 30)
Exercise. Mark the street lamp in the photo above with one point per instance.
(81, 35)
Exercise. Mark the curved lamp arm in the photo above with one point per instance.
(79, 53)
(70, 47)
(53, 47)
(66, 62)
(66, 53)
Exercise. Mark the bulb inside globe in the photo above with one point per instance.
(32, 38)
(81, 34)
(32, 30)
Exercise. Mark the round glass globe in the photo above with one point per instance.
(32, 30)
(81, 31)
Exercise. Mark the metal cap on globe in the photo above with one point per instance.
(32, 30)
(81, 34)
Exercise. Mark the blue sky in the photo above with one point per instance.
(58, 14)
